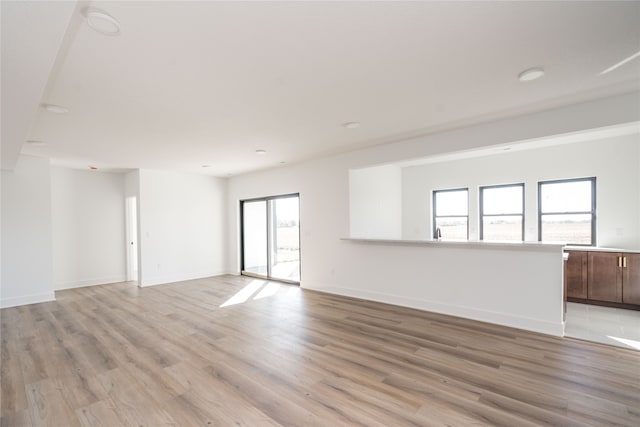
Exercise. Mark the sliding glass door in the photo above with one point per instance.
(271, 237)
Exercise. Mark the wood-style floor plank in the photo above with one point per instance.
(186, 354)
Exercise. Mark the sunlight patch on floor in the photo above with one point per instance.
(244, 294)
(631, 343)
(269, 290)
(259, 289)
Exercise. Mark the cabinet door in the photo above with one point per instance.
(604, 277)
(575, 272)
(631, 279)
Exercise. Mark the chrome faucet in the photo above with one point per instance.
(438, 234)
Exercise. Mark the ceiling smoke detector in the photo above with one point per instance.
(351, 125)
(102, 22)
(531, 74)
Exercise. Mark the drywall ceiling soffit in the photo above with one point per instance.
(32, 34)
(188, 84)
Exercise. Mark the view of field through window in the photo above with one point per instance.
(452, 213)
(502, 213)
(566, 212)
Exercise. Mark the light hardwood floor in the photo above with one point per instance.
(171, 355)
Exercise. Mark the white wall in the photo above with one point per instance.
(612, 161)
(182, 226)
(27, 266)
(331, 264)
(88, 218)
(375, 208)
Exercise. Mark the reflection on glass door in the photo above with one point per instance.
(271, 237)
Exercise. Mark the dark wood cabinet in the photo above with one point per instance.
(604, 276)
(576, 274)
(631, 278)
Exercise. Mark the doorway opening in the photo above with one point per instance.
(132, 238)
(270, 237)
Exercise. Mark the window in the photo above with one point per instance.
(502, 212)
(451, 213)
(567, 211)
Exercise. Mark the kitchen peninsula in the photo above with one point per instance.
(517, 284)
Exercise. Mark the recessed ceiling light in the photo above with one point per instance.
(282, 162)
(57, 109)
(93, 168)
(36, 143)
(351, 125)
(206, 166)
(102, 22)
(531, 74)
(261, 152)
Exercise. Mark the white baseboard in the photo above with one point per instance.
(27, 299)
(163, 280)
(90, 282)
(504, 319)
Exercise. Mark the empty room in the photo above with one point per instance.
(301, 213)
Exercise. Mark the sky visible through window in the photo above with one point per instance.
(502, 200)
(564, 197)
(449, 203)
(287, 210)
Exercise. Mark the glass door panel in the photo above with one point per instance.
(271, 237)
(254, 237)
(285, 239)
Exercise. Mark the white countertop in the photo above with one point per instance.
(479, 244)
(598, 249)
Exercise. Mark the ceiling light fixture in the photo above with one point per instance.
(56, 109)
(621, 63)
(93, 168)
(261, 152)
(351, 125)
(206, 166)
(531, 74)
(102, 22)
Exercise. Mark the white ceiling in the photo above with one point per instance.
(188, 84)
